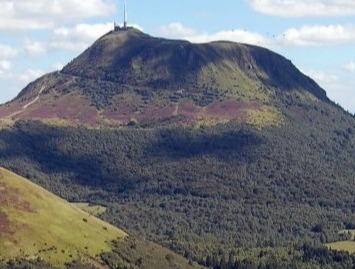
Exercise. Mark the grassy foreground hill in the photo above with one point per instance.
(39, 226)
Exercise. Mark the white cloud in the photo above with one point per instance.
(176, 29)
(29, 75)
(79, 37)
(58, 66)
(7, 52)
(5, 65)
(12, 81)
(350, 67)
(232, 35)
(342, 91)
(312, 35)
(318, 35)
(44, 14)
(339, 87)
(321, 76)
(34, 48)
(324, 79)
(25, 77)
(300, 8)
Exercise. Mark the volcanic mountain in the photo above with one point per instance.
(130, 77)
(223, 152)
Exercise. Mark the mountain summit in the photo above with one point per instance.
(130, 77)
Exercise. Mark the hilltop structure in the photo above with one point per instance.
(125, 26)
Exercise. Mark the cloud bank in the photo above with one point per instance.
(303, 8)
(309, 35)
(7, 51)
(44, 14)
(319, 35)
(350, 67)
(178, 30)
(77, 38)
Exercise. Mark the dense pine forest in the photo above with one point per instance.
(206, 191)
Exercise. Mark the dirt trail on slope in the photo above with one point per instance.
(27, 105)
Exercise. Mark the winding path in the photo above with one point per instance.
(27, 105)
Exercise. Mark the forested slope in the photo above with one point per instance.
(200, 189)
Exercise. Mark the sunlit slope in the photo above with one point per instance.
(35, 223)
(345, 245)
(129, 78)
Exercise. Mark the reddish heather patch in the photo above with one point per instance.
(122, 108)
(218, 110)
(66, 113)
(68, 108)
(122, 111)
(7, 110)
(229, 109)
(189, 108)
(159, 112)
(4, 224)
(186, 108)
(117, 116)
(11, 197)
(190, 111)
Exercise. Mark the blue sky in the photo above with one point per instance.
(318, 36)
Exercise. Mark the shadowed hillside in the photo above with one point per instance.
(222, 152)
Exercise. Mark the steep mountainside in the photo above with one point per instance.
(223, 152)
(130, 77)
(37, 225)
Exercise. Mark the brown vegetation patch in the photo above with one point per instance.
(73, 108)
(189, 108)
(218, 110)
(122, 107)
(6, 110)
(159, 112)
(11, 197)
(229, 109)
(4, 224)
(65, 113)
(123, 110)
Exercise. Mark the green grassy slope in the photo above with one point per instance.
(35, 223)
(129, 76)
(41, 230)
(345, 245)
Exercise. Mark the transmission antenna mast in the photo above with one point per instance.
(125, 16)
